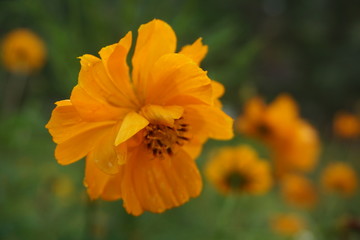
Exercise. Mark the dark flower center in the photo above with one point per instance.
(161, 139)
(263, 129)
(235, 180)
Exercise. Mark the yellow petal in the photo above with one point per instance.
(94, 180)
(105, 154)
(96, 97)
(218, 89)
(93, 109)
(209, 121)
(79, 146)
(65, 122)
(159, 184)
(155, 39)
(175, 76)
(196, 51)
(112, 189)
(114, 58)
(194, 147)
(132, 124)
(74, 136)
(162, 114)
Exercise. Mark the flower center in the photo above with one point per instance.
(161, 139)
(263, 129)
(235, 180)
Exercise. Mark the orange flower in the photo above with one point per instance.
(340, 178)
(299, 151)
(298, 191)
(23, 51)
(271, 122)
(293, 143)
(141, 132)
(287, 224)
(346, 125)
(238, 170)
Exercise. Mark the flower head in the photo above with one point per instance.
(340, 178)
(346, 125)
(140, 132)
(23, 51)
(239, 170)
(298, 191)
(293, 142)
(268, 123)
(287, 224)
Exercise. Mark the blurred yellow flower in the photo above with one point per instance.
(287, 224)
(293, 143)
(339, 177)
(23, 51)
(239, 170)
(299, 151)
(268, 123)
(62, 187)
(346, 125)
(298, 191)
(140, 132)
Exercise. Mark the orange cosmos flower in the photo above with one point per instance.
(287, 224)
(346, 125)
(340, 178)
(298, 191)
(293, 143)
(140, 132)
(271, 122)
(239, 170)
(23, 51)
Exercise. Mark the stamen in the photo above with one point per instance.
(162, 139)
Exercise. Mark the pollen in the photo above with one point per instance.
(161, 139)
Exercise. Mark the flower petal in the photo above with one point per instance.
(159, 184)
(209, 121)
(74, 136)
(218, 91)
(132, 123)
(112, 189)
(175, 76)
(155, 39)
(195, 51)
(78, 146)
(95, 179)
(96, 97)
(105, 154)
(114, 58)
(162, 114)
(65, 122)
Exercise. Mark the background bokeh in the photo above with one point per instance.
(310, 49)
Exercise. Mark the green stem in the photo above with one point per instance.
(224, 217)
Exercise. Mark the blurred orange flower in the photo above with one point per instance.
(239, 170)
(340, 178)
(287, 224)
(293, 143)
(298, 151)
(271, 122)
(298, 191)
(141, 133)
(346, 125)
(23, 51)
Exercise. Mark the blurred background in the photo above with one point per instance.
(308, 49)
